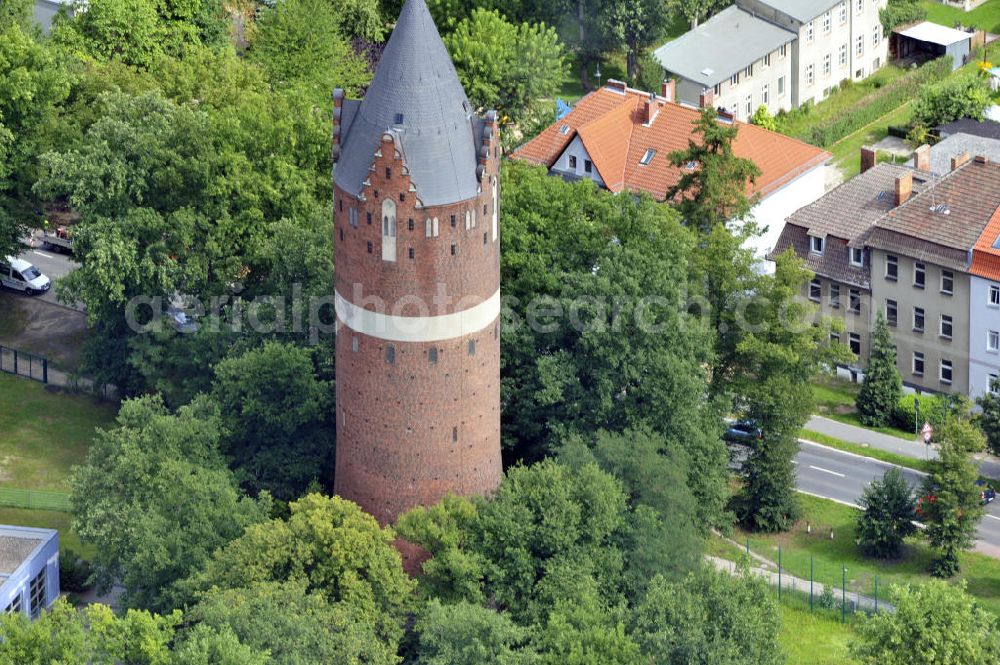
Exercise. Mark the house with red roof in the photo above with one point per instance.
(984, 309)
(622, 139)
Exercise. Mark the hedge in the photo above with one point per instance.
(882, 101)
(933, 409)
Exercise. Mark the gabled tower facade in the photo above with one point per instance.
(417, 263)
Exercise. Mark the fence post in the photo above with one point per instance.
(748, 548)
(779, 573)
(811, 582)
(843, 596)
(876, 594)
(45, 370)
(15, 362)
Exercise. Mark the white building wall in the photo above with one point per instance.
(577, 151)
(734, 97)
(983, 317)
(776, 208)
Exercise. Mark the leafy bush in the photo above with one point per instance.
(960, 97)
(826, 599)
(933, 409)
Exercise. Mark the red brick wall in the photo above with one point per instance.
(412, 431)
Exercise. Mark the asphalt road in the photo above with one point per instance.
(833, 474)
(53, 265)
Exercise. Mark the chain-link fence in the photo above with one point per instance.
(22, 363)
(34, 499)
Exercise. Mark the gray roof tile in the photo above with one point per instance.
(416, 79)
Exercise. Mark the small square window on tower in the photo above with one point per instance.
(388, 173)
(368, 217)
(369, 246)
(409, 224)
(472, 347)
(354, 344)
(410, 252)
(454, 434)
(390, 354)
(432, 355)
(402, 197)
(484, 238)
(453, 222)
(454, 250)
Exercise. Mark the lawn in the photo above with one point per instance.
(814, 638)
(981, 573)
(835, 400)
(43, 434)
(48, 519)
(986, 16)
(847, 151)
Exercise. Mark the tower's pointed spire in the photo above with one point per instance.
(416, 93)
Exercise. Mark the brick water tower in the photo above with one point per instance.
(417, 262)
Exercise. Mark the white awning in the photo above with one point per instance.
(935, 34)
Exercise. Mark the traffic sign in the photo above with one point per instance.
(928, 432)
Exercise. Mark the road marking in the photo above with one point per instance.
(832, 473)
(994, 517)
(48, 256)
(872, 460)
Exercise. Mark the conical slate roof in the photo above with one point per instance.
(415, 94)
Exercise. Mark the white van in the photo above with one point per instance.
(20, 275)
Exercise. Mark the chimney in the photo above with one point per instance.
(959, 160)
(981, 159)
(614, 84)
(650, 109)
(868, 158)
(904, 188)
(922, 158)
(706, 99)
(669, 90)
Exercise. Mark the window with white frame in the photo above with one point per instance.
(946, 372)
(735, 79)
(994, 385)
(816, 244)
(993, 341)
(718, 89)
(748, 72)
(835, 295)
(876, 38)
(855, 343)
(994, 298)
(810, 31)
(781, 86)
(810, 74)
(834, 338)
(765, 94)
(842, 12)
(891, 268)
(767, 60)
(854, 301)
(782, 50)
(860, 45)
(749, 106)
(947, 327)
(827, 64)
(918, 363)
(815, 290)
(859, 6)
(947, 282)
(857, 256)
(826, 22)
(919, 275)
(842, 58)
(891, 312)
(918, 319)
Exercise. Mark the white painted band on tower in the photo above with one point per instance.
(418, 328)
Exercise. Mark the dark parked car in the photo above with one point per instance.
(986, 492)
(743, 431)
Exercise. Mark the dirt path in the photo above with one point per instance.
(42, 328)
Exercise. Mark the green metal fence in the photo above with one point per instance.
(34, 499)
(22, 363)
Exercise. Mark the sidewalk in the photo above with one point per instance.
(989, 466)
(796, 584)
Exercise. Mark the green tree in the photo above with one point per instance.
(900, 12)
(275, 413)
(888, 513)
(204, 646)
(362, 19)
(504, 66)
(955, 97)
(934, 624)
(636, 25)
(467, 634)
(961, 430)
(33, 83)
(989, 418)
(770, 360)
(696, 11)
(715, 190)
(332, 547)
(299, 42)
(950, 507)
(710, 617)
(155, 499)
(91, 636)
(883, 386)
(293, 625)
(16, 12)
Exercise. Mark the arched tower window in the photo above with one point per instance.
(496, 207)
(388, 230)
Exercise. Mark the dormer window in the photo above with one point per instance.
(857, 256)
(816, 244)
(648, 157)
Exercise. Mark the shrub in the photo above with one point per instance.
(933, 409)
(74, 572)
(826, 599)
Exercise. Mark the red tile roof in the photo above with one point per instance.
(985, 257)
(611, 125)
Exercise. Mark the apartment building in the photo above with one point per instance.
(924, 250)
(829, 235)
(776, 53)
